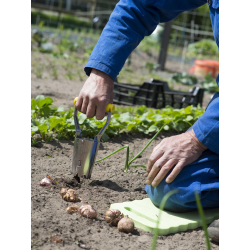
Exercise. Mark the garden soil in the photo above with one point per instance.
(53, 228)
(108, 184)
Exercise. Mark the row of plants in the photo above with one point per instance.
(67, 51)
(150, 44)
(70, 69)
(60, 42)
(48, 121)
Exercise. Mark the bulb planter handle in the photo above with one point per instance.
(85, 150)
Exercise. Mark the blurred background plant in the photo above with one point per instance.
(202, 48)
(210, 84)
(184, 78)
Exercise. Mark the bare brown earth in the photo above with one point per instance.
(63, 91)
(108, 184)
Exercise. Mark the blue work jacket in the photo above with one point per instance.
(129, 23)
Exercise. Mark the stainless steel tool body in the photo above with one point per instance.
(85, 150)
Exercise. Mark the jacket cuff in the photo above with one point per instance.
(205, 140)
(100, 66)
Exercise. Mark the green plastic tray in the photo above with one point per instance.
(145, 214)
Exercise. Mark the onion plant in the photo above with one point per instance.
(128, 160)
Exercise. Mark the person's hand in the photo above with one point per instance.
(173, 152)
(95, 94)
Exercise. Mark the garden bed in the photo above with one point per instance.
(108, 184)
(61, 77)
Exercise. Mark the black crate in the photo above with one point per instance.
(156, 94)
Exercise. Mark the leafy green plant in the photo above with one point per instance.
(184, 78)
(67, 45)
(46, 47)
(35, 140)
(210, 84)
(151, 66)
(55, 121)
(37, 37)
(203, 47)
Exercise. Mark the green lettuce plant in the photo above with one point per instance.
(57, 122)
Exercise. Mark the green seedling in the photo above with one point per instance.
(163, 202)
(129, 160)
(149, 66)
(204, 224)
(35, 140)
(54, 72)
(69, 75)
(39, 72)
(80, 75)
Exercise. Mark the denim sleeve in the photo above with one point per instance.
(206, 128)
(129, 23)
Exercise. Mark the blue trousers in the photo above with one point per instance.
(201, 176)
